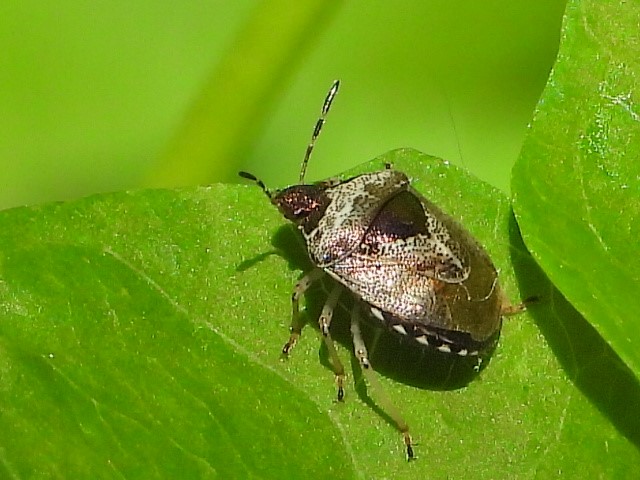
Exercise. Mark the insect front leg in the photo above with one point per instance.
(361, 354)
(296, 324)
(324, 321)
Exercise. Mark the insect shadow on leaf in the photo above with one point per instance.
(588, 360)
(287, 245)
(251, 262)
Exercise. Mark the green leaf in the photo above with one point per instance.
(115, 361)
(141, 332)
(577, 181)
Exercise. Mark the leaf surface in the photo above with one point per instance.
(141, 336)
(577, 181)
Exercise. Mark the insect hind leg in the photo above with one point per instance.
(508, 309)
(388, 406)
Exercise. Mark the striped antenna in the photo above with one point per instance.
(333, 91)
(260, 183)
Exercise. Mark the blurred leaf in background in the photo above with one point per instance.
(93, 96)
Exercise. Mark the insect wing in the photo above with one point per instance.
(354, 204)
(403, 261)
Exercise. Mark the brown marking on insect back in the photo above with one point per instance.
(401, 217)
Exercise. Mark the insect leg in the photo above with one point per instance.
(509, 309)
(360, 351)
(296, 324)
(325, 322)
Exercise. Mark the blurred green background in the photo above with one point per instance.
(94, 94)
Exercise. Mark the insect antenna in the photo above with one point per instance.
(260, 183)
(333, 91)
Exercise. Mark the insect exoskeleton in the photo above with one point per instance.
(411, 267)
(415, 269)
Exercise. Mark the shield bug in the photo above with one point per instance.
(412, 269)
